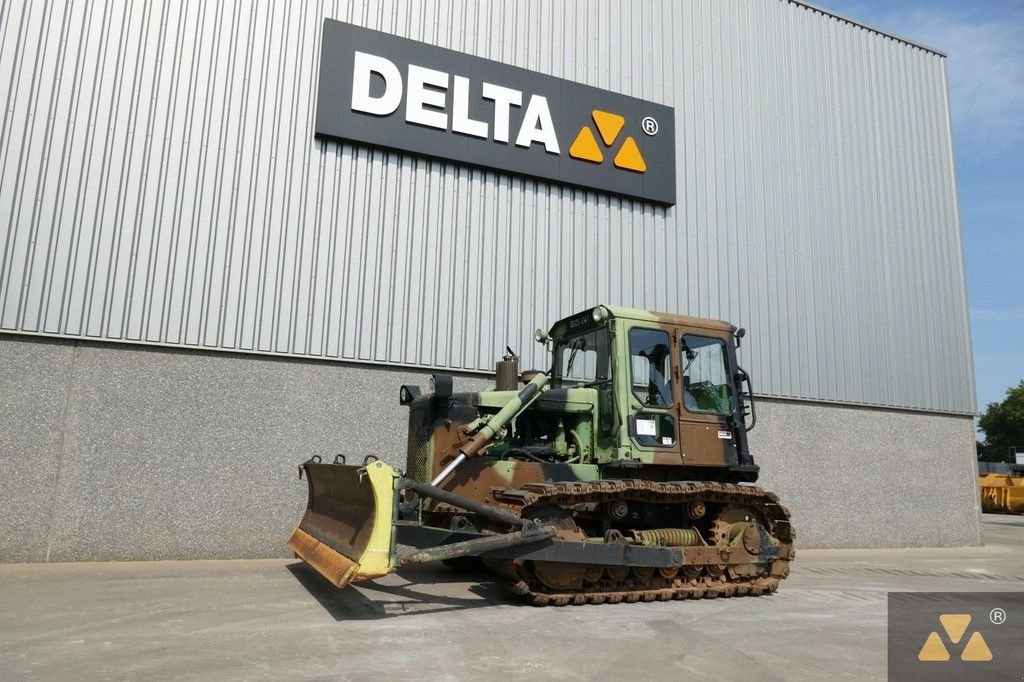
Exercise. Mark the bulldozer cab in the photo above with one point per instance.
(669, 385)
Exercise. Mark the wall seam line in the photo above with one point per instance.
(61, 450)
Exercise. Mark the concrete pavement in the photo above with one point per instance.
(275, 619)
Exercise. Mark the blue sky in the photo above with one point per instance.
(985, 44)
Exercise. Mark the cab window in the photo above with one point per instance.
(706, 385)
(583, 359)
(650, 357)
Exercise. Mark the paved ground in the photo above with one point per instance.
(274, 619)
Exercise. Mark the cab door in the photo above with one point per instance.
(652, 403)
(707, 398)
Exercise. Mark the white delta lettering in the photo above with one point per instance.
(426, 103)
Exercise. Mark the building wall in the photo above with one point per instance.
(115, 453)
(112, 452)
(161, 184)
(868, 477)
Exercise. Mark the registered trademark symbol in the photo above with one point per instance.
(997, 616)
(649, 125)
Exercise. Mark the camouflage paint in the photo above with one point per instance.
(595, 437)
(567, 458)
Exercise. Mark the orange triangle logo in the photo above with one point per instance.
(608, 125)
(976, 649)
(585, 147)
(629, 157)
(933, 649)
(955, 625)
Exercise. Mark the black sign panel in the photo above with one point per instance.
(383, 90)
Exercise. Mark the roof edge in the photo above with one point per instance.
(875, 29)
(642, 315)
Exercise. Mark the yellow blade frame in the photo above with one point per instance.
(347, 533)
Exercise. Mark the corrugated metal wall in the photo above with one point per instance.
(160, 183)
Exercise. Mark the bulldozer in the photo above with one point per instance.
(622, 473)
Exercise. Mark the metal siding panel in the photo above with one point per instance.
(162, 185)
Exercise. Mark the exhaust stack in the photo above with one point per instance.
(506, 372)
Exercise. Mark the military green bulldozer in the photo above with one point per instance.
(622, 473)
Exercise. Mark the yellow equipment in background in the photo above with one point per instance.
(1002, 493)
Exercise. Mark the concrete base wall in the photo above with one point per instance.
(114, 452)
(858, 477)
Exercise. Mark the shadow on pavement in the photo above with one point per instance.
(353, 603)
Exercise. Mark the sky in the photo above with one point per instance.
(984, 41)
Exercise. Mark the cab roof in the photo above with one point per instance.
(669, 318)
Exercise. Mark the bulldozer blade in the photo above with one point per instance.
(337, 568)
(347, 532)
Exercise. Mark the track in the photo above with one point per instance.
(711, 581)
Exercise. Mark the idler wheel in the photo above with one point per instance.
(558, 575)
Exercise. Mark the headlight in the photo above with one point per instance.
(540, 336)
(600, 314)
(441, 385)
(406, 394)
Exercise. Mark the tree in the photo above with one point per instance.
(1003, 424)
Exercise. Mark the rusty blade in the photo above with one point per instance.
(337, 568)
(336, 529)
